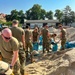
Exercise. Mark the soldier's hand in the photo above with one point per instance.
(11, 67)
(24, 48)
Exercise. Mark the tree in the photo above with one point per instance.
(35, 13)
(43, 14)
(72, 16)
(58, 14)
(28, 14)
(49, 15)
(36, 10)
(66, 15)
(21, 16)
(14, 14)
(8, 17)
(67, 10)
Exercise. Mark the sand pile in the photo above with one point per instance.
(52, 30)
(70, 34)
(60, 63)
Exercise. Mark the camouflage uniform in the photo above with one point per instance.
(17, 32)
(45, 40)
(28, 42)
(63, 39)
(35, 38)
(7, 49)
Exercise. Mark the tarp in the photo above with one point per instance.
(70, 44)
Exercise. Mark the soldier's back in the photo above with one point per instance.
(17, 32)
(45, 34)
(27, 35)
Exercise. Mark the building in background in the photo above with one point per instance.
(40, 23)
(2, 17)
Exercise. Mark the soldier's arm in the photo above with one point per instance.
(60, 34)
(48, 34)
(31, 37)
(23, 39)
(14, 58)
(38, 37)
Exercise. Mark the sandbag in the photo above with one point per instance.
(70, 44)
(35, 46)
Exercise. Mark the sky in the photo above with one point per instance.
(6, 6)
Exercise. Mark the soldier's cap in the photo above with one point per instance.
(4, 68)
(15, 21)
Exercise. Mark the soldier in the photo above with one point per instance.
(19, 34)
(35, 38)
(62, 36)
(28, 41)
(9, 48)
(45, 35)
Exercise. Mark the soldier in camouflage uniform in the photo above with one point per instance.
(28, 41)
(9, 48)
(62, 36)
(19, 34)
(45, 35)
(35, 38)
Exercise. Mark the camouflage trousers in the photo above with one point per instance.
(16, 68)
(46, 45)
(63, 44)
(22, 58)
(29, 45)
(29, 49)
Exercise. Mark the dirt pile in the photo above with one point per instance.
(59, 63)
(52, 30)
(70, 34)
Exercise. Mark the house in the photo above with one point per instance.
(2, 17)
(40, 23)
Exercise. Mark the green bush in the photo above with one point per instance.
(8, 23)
